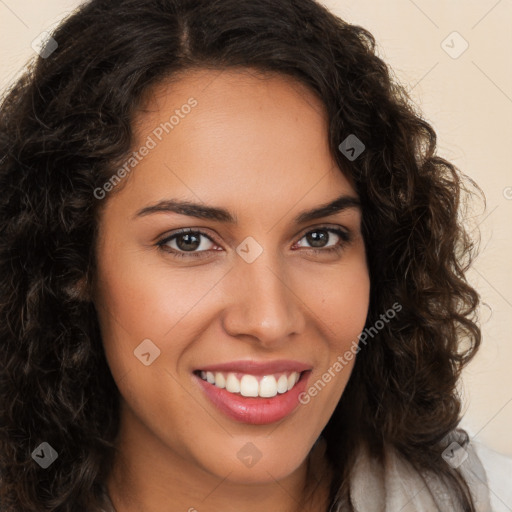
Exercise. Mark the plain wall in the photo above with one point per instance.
(468, 101)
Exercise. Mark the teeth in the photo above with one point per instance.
(267, 386)
(232, 384)
(282, 384)
(249, 386)
(220, 380)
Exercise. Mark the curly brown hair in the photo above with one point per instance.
(66, 123)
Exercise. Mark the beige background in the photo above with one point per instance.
(467, 99)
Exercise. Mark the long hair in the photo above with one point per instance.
(66, 123)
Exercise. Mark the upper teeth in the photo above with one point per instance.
(250, 385)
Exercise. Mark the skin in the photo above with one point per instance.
(256, 146)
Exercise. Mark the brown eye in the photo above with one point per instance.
(186, 243)
(319, 238)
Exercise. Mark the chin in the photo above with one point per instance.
(267, 469)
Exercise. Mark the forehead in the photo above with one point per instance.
(235, 134)
(231, 87)
(237, 114)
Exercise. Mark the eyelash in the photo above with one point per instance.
(344, 236)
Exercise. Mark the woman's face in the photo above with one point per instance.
(264, 295)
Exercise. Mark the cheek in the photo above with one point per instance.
(346, 308)
(135, 294)
(131, 306)
(341, 307)
(145, 302)
(149, 292)
(341, 302)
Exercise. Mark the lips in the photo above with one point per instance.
(254, 392)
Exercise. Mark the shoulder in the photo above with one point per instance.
(498, 469)
(398, 485)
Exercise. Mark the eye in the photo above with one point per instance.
(318, 238)
(185, 243)
(188, 242)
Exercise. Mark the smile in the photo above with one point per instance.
(266, 386)
(253, 392)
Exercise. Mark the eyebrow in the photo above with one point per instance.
(201, 211)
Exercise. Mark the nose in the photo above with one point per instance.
(263, 305)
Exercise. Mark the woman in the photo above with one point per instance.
(233, 275)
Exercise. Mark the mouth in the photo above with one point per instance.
(254, 393)
(266, 386)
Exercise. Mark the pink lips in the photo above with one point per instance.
(255, 410)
